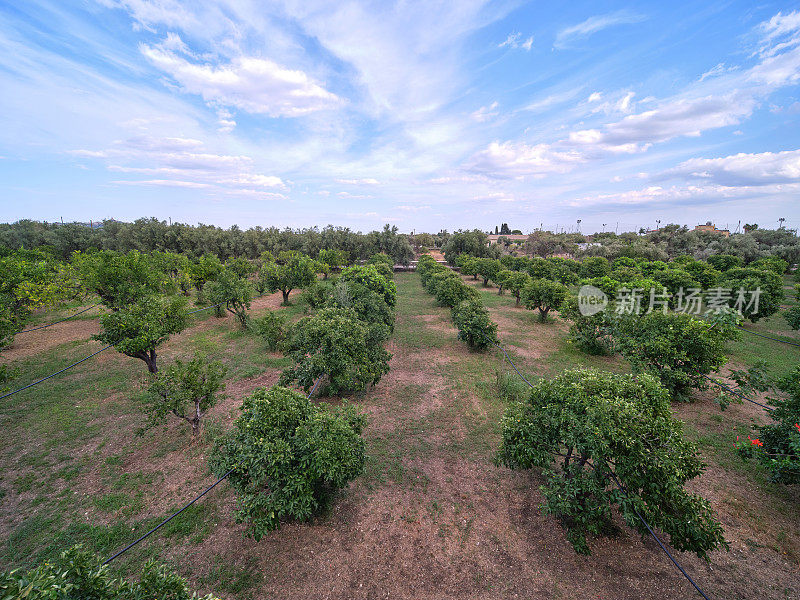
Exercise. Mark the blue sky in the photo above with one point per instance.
(427, 115)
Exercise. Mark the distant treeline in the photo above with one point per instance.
(147, 235)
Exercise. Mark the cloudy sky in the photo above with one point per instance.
(425, 114)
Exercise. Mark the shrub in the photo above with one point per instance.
(544, 295)
(436, 278)
(317, 294)
(745, 280)
(777, 446)
(586, 425)
(186, 391)
(336, 343)
(271, 327)
(591, 333)
(451, 291)
(370, 277)
(594, 266)
(77, 574)
(675, 347)
(287, 456)
(474, 325)
(138, 329)
(723, 262)
(771, 263)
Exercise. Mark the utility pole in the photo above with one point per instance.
(780, 222)
(616, 231)
(578, 228)
(604, 227)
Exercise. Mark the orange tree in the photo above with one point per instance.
(587, 429)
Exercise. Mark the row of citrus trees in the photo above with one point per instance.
(285, 455)
(677, 348)
(603, 439)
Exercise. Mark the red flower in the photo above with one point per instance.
(755, 442)
(797, 426)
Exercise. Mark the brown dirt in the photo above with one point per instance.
(36, 342)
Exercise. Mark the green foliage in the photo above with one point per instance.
(792, 315)
(772, 263)
(271, 327)
(777, 446)
(605, 283)
(317, 295)
(586, 427)
(291, 270)
(743, 281)
(186, 391)
(723, 262)
(234, 293)
(594, 266)
(78, 575)
(368, 305)
(515, 282)
(539, 268)
(335, 259)
(649, 267)
(591, 333)
(451, 291)
(336, 343)
(139, 328)
(437, 277)
(473, 242)
(703, 273)
(119, 279)
(287, 455)
(468, 265)
(240, 266)
(488, 269)
(544, 295)
(676, 347)
(370, 277)
(676, 280)
(474, 325)
(205, 269)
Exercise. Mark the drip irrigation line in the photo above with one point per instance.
(624, 491)
(191, 312)
(56, 373)
(187, 505)
(511, 361)
(56, 322)
(768, 337)
(732, 391)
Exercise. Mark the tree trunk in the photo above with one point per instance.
(151, 361)
(286, 296)
(543, 314)
(485, 282)
(517, 296)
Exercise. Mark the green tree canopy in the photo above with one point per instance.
(291, 270)
(586, 428)
(287, 456)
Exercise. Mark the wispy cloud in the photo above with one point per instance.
(594, 24)
(515, 40)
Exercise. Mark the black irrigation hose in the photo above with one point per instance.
(624, 491)
(732, 391)
(56, 322)
(769, 338)
(56, 373)
(511, 361)
(195, 499)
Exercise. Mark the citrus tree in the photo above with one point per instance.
(746, 280)
(594, 334)
(335, 259)
(119, 279)
(515, 282)
(777, 445)
(371, 278)
(205, 269)
(138, 329)
(290, 271)
(588, 429)
(543, 295)
(234, 293)
(336, 343)
(287, 456)
(78, 574)
(487, 268)
(452, 290)
(677, 348)
(474, 325)
(186, 391)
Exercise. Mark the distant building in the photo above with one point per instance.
(511, 237)
(710, 227)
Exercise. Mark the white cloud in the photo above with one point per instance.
(743, 169)
(254, 85)
(514, 40)
(484, 113)
(511, 159)
(365, 181)
(594, 24)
